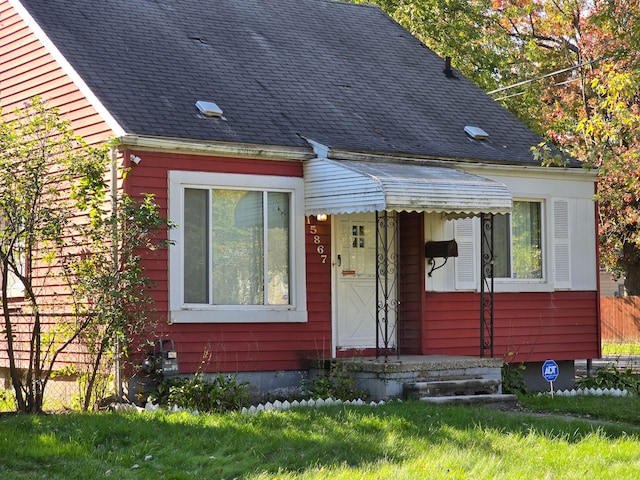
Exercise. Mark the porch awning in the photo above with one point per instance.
(347, 186)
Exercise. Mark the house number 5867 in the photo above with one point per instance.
(318, 243)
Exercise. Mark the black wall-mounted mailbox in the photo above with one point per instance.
(445, 249)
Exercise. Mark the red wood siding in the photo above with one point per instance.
(237, 347)
(528, 327)
(411, 282)
(27, 70)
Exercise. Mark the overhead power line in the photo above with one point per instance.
(531, 80)
(498, 99)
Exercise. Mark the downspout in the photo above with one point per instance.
(598, 293)
(114, 266)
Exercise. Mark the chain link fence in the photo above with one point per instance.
(70, 361)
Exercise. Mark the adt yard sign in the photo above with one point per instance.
(550, 370)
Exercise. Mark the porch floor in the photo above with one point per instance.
(406, 363)
(409, 363)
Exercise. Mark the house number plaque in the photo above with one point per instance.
(317, 241)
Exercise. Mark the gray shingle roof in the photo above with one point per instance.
(344, 75)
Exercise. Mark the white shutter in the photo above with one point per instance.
(466, 262)
(561, 243)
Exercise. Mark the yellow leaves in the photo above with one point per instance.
(547, 158)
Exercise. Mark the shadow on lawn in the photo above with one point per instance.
(226, 446)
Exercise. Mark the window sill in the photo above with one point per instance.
(207, 315)
(522, 285)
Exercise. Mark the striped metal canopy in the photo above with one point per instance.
(347, 186)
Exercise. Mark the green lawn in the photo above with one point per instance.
(551, 438)
(397, 441)
(622, 349)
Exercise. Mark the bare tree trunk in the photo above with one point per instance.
(33, 382)
(13, 369)
(36, 387)
(631, 262)
(88, 392)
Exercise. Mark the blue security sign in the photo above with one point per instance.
(550, 370)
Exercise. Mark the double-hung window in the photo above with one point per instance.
(238, 253)
(517, 242)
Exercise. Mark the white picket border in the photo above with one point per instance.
(615, 392)
(277, 405)
(319, 402)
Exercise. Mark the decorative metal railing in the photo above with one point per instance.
(487, 258)
(387, 283)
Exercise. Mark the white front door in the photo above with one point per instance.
(355, 270)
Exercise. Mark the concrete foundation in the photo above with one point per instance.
(535, 382)
(382, 379)
(263, 385)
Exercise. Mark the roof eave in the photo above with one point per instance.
(222, 149)
(340, 154)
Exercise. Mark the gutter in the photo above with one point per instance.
(461, 163)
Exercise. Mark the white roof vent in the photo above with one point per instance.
(476, 133)
(208, 109)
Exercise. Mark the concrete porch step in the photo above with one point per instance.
(443, 388)
(386, 377)
(499, 400)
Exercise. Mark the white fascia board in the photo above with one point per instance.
(464, 164)
(533, 171)
(67, 68)
(225, 149)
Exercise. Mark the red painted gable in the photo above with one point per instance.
(28, 69)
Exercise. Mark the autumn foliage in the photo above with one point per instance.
(570, 69)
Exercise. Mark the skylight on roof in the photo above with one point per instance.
(208, 109)
(476, 132)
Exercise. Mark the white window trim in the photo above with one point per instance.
(190, 313)
(15, 289)
(513, 285)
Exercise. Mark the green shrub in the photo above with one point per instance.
(612, 377)
(513, 378)
(7, 403)
(338, 383)
(221, 394)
